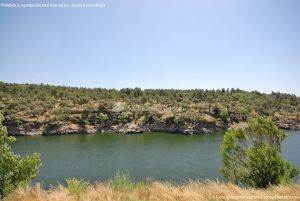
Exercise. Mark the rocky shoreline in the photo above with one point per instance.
(288, 125)
(59, 128)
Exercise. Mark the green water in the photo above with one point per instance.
(159, 155)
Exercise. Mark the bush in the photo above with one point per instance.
(177, 120)
(253, 157)
(150, 117)
(76, 187)
(102, 119)
(224, 115)
(124, 117)
(216, 110)
(121, 181)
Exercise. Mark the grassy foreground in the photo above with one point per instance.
(158, 191)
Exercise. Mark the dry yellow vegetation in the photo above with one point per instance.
(158, 191)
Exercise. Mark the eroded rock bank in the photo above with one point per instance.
(60, 128)
(34, 128)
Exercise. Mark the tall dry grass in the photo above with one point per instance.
(159, 191)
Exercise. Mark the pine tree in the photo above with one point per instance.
(253, 157)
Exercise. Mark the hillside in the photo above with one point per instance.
(31, 109)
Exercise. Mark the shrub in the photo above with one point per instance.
(177, 120)
(124, 117)
(224, 115)
(121, 181)
(83, 122)
(76, 187)
(150, 117)
(102, 119)
(216, 110)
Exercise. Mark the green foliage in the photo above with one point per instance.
(224, 115)
(14, 170)
(267, 167)
(121, 181)
(87, 114)
(63, 103)
(142, 185)
(262, 131)
(13, 118)
(76, 187)
(83, 122)
(151, 117)
(216, 110)
(102, 118)
(238, 114)
(253, 157)
(233, 154)
(124, 117)
(177, 119)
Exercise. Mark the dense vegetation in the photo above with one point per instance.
(14, 170)
(253, 157)
(44, 103)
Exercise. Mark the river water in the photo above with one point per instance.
(162, 156)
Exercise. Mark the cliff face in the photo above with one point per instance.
(35, 128)
(188, 128)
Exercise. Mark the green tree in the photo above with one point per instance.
(233, 154)
(14, 170)
(253, 156)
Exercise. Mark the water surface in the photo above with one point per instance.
(163, 156)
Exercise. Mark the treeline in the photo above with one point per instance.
(60, 103)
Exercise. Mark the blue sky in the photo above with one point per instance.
(210, 44)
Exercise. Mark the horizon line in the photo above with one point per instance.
(118, 89)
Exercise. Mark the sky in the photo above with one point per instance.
(208, 44)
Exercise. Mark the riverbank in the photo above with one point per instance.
(35, 128)
(158, 191)
(189, 128)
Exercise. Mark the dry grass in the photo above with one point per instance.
(158, 191)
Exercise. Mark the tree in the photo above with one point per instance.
(14, 170)
(233, 154)
(253, 157)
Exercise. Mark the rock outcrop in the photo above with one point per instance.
(188, 128)
(288, 125)
(34, 128)
(50, 129)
